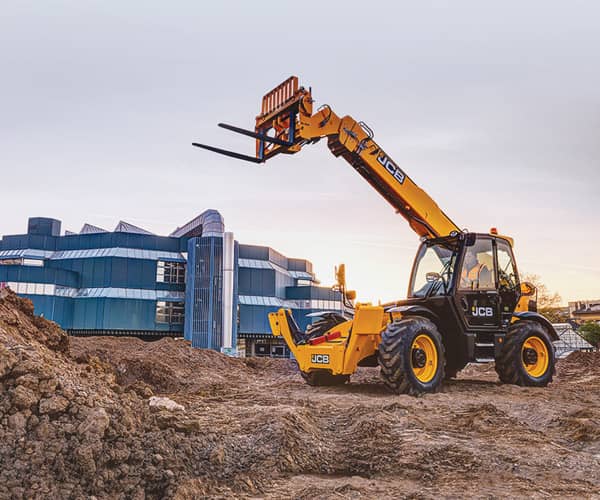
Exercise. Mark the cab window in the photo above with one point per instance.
(478, 267)
(507, 274)
(433, 270)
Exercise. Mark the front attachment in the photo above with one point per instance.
(276, 125)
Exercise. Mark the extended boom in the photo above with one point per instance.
(287, 122)
(465, 302)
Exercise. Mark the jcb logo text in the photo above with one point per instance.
(391, 167)
(321, 359)
(482, 311)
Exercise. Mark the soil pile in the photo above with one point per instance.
(74, 425)
(122, 418)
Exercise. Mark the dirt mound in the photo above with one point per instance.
(167, 365)
(588, 362)
(81, 425)
(121, 418)
(17, 316)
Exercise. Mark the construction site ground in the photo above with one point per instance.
(80, 419)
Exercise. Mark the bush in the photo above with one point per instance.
(590, 331)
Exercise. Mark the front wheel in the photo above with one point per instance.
(527, 357)
(411, 356)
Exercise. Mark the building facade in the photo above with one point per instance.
(198, 282)
(585, 310)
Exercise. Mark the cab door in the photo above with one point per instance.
(476, 290)
(509, 289)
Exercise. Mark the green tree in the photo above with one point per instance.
(590, 331)
(548, 303)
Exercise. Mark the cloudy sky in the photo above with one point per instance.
(492, 107)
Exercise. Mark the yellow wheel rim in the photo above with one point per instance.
(424, 358)
(534, 356)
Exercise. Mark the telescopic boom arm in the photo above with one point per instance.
(287, 111)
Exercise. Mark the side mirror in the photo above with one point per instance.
(431, 277)
(351, 294)
(340, 275)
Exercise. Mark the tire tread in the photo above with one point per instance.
(509, 365)
(394, 355)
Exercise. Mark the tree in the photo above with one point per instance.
(590, 331)
(548, 303)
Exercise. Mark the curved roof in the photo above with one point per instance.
(208, 223)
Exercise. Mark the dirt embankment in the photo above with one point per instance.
(80, 418)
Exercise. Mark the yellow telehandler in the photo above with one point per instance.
(465, 300)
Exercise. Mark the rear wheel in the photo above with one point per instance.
(323, 378)
(411, 356)
(527, 357)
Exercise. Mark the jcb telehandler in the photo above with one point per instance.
(465, 300)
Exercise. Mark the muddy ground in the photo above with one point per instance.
(77, 422)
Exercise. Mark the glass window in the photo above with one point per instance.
(507, 274)
(33, 262)
(11, 262)
(161, 312)
(170, 272)
(478, 266)
(433, 270)
(170, 312)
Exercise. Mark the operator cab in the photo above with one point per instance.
(470, 283)
(478, 268)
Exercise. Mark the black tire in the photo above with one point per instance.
(323, 378)
(511, 365)
(396, 355)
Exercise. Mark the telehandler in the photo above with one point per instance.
(465, 300)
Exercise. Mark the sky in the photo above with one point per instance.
(492, 107)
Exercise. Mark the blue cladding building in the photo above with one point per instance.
(198, 282)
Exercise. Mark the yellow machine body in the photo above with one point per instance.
(286, 123)
(353, 141)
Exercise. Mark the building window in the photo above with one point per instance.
(170, 312)
(22, 262)
(170, 272)
(11, 262)
(22, 288)
(33, 262)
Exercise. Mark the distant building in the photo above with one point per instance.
(198, 282)
(585, 310)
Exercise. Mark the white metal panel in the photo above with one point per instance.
(227, 292)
